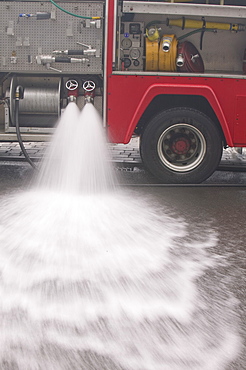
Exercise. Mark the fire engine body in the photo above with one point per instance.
(169, 72)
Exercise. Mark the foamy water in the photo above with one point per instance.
(95, 278)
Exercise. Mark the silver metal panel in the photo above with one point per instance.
(24, 38)
(184, 9)
(25, 137)
(104, 110)
(203, 75)
(132, 46)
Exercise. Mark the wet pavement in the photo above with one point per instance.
(216, 207)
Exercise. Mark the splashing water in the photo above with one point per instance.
(77, 160)
(96, 279)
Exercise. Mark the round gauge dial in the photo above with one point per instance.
(127, 62)
(126, 43)
(135, 53)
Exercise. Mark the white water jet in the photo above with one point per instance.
(77, 160)
(96, 279)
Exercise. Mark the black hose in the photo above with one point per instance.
(19, 135)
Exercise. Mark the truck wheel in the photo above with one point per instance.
(181, 145)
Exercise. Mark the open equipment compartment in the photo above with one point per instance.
(218, 38)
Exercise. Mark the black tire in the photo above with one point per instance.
(181, 146)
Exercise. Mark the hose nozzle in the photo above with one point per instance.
(180, 60)
(167, 43)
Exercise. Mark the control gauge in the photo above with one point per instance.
(126, 43)
(135, 53)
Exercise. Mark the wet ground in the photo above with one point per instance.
(216, 206)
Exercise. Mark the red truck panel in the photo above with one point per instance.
(240, 121)
(129, 96)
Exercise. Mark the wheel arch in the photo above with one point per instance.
(165, 102)
(158, 98)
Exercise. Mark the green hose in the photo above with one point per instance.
(195, 31)
(74, 15)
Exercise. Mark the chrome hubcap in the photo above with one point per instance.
(181, 147)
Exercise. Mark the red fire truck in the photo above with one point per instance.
(171, 72)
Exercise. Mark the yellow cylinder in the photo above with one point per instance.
(190, 23)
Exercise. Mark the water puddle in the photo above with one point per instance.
(94, 278)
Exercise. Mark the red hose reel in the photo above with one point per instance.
(189, 58)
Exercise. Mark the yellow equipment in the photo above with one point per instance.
(191, 23)
(168, 53)
(152, 48)
(152, 33)
(152, 55)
